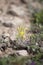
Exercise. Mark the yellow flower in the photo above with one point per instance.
(21, 32)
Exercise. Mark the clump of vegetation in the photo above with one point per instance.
(37, 37)
(40, 0)
(13, 60)
(38, 17)
(34, 38)
(38, 59)
(37, 22)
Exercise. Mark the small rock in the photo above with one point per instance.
(23, 1)
(37, 44)
(41, 49)
(18, 11)
(9, 51)
(8, 24)
(1, 53)
(3, 47)
(22, 52)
